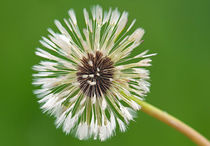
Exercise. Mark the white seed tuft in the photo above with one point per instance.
(91, 83)
(84, 76)
(91, 75)
(90, 63)
(121, 125)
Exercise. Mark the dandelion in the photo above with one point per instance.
(88, 80)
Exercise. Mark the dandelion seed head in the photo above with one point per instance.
(87, 78)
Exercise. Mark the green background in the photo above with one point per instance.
(178, 30)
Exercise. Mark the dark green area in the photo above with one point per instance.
(178, 30)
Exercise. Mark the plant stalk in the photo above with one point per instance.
(173, 122)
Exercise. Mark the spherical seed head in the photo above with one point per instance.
(88, 82)
(95, 74)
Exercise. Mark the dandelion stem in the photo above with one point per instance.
(173, 122)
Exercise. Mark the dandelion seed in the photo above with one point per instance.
(85, 81)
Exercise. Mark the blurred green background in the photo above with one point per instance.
(178, 30)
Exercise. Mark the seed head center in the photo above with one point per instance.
(95, 74)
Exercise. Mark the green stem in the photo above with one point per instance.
(173, 122)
